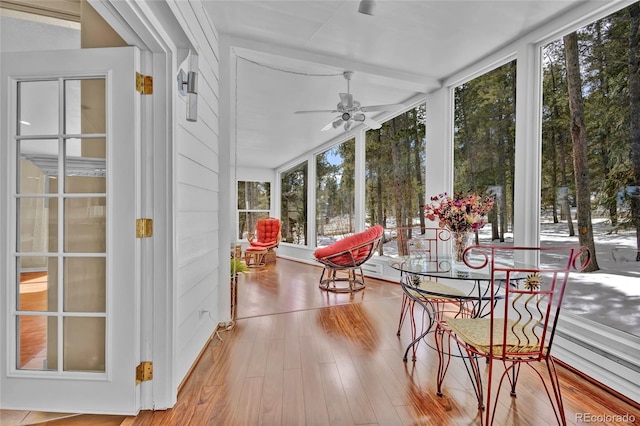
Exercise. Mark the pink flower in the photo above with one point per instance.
(459, 214)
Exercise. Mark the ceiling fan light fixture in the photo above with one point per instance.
(346, 116)
(359, 116)
(347, 125)
(366, 7)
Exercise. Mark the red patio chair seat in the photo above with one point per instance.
(348, 254)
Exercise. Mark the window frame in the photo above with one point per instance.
(248, 211)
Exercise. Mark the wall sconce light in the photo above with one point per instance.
(187, 82)
(188, 86)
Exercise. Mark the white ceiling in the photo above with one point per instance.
(291, 54)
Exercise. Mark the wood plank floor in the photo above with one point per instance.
(300, 356)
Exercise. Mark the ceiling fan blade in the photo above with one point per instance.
(388, 107)
(315, 110)
(372, 123)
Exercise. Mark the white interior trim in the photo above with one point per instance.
(137, 24)
(602, 353)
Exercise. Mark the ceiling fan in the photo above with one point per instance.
(350, 111)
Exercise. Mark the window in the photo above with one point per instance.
(484, 145)
(335, 193)
(394, 174)
(599, 209)
(294, 204)
(254, 200)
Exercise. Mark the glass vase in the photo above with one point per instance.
(459, 242)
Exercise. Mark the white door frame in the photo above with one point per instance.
(140, 26)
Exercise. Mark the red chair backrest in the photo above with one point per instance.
(530, 297)
(267, 230)
(430, 237)
(352, 250)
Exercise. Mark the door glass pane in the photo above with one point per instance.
(84, 340)
(85, 174)
(39, 215)
(33, 341)
(85, 225)
(37, 224)
(84, 106)
(38, 107)
(85, 284)
(37, 165)
(35, 291)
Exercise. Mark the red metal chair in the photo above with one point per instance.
(348, 254)
(524, 309)
(427, 243)
(263, 241)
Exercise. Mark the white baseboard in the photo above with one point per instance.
(606, 355)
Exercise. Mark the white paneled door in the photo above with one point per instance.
(69, 161)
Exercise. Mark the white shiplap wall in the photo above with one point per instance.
(197, 196)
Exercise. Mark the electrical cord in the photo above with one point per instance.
(223, 326)
(288, 71)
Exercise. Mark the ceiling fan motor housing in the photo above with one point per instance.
(351, 111)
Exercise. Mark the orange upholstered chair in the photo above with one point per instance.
(348, 254)
(263, 241)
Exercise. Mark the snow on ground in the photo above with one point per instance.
(611, 295)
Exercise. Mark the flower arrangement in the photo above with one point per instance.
(459, 213)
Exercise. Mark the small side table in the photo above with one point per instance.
(236, 251)
(255, 256)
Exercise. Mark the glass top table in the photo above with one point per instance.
(439, 267)
(466, 287)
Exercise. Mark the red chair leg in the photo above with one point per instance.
(403, 312)
(558, 406)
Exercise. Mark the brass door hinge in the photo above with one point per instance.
(144, 372)
(144, 228)
(144, 84)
